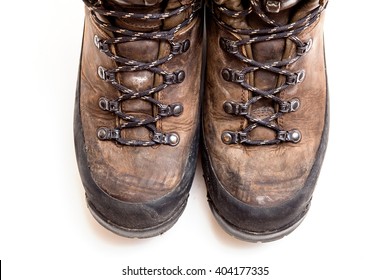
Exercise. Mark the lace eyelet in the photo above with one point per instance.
(179, 48)
(296, 78)
(176, 77)
(305, 48)
(171, 139)
(102, 72)
(238, 109)
(97, 42)
(228, 45)
(293, 136)
(105, 133)
(108, 105)
(230, 137)
(273, 6)
(290, 106)
(170, 110)
(231, 75)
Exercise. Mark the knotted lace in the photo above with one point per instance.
(101, 17)
(250, 36)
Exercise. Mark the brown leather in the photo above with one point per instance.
(265, 176)
(139, 174)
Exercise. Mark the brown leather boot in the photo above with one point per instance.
(265, 121)
(137, 111)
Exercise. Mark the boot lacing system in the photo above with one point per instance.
(128, 65)
(233, 47)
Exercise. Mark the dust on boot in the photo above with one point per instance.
(137, 111)
(265, 121)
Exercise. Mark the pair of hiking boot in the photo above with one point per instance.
(262, 120)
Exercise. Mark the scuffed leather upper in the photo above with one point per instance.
(265, 176)
(139, 174)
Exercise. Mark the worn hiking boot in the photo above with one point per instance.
(265, 122)
(137, 111)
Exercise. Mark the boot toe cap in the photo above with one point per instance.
(257, 222)
(255, 213)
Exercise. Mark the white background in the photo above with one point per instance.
(47, 232)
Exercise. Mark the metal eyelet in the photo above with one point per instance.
(305, 48)
(97, 41)
(171, 139)
(179, 48)
(296, 78)
(227, 137)
(290, 106)
(102, 72)
(174, 78)
(108, 105)
(105, 133)
(238, 109)
(228, 45)
(174, 109)
(294, 104)
(230, 137)
(177, 109)
(228, 107)
(105, 75)
(273, 6)
(231, 75)
(293, 136)
(301, 76)
(104, 103)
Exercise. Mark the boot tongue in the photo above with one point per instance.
(148, 7)
(136, 6)
(142, 51)
(123, 4)
(280, 11)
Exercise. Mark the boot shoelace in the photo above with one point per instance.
(276, 31)
(129, 65)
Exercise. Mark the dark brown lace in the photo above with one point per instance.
(122, 35)
(275, 31)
